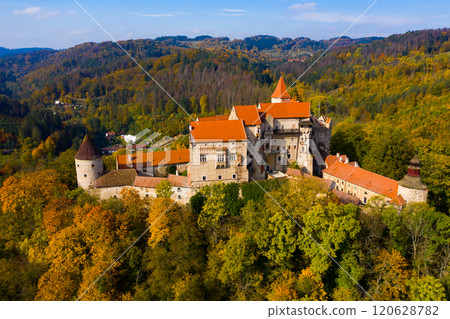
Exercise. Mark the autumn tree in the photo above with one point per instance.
(389, 276)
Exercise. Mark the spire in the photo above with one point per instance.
(87, 150)
(280, 91)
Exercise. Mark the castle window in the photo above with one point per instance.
(202, 158)
(232, 157)
(278, 148)
(221, 157)
(204, 178)
(179, 189)
(115, 196)
(85, 175)
(259, 130)
(279, 158)
(365, 200)
(219, 177)
(92, 165)
(289, 147)
(289, 156)
(78, 165)
(146, 195)
(267, 146)
(234, 176)
(295, 146)
(179, 196)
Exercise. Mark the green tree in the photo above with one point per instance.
(334, 228)
(426, 288)
(164, 189)
(204, 104)
(389, 151)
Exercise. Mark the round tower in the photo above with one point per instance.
(88, 163)
(411, 186)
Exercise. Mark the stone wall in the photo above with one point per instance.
(180, 195)
(413, 195)
(88, 171)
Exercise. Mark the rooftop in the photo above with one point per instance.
(248, 113)
(154, 158)
(87, 150)
(116, 178)
(231, 130)
(148, 182)
(365, 179)
(292, 109)
(280, 90)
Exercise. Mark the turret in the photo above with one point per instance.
(280, 95)
(88, 163)
(411, 186)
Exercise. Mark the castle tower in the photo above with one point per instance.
(411, 186)
(88, 163)
(280, 95)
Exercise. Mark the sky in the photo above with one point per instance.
(61, 24)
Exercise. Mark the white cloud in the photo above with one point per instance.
(303, 6)
(234, 10)
(160, 15)
(37, 12)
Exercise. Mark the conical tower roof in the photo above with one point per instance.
(280, 91)
(87, 150)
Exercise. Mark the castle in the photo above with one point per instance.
(254, 142)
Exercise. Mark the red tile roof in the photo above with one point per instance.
(231, 130)
(178, 180)
(248, 113)
(148, 182)
(398, 200)
(151, 182)
(154, 158)
(280, 91)
(214, 118)
(333, 158)
(365, 179)
(286, 110)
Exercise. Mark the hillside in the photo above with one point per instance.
(6, 52)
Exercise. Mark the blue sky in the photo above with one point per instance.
(60, 23)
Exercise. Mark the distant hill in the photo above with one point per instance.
(7, 52)
(285, 47)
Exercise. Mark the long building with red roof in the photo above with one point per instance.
(364, 184)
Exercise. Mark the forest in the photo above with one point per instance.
(388, 98)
